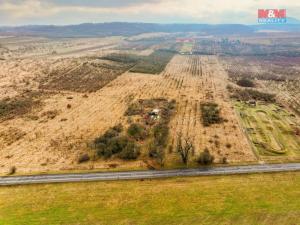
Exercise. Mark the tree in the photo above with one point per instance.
(205, 158)
(244, 82)
(137, 131)
(157, 152)
(184, 148)
(130, 152)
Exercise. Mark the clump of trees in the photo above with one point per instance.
(244, 82)
(154, 63)
(134, 109)
(123, 58)
(159, 142)
(112, 142)
(251, 94)
(137, 131)
(210, 113)
(156, 152)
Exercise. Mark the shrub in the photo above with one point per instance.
(244, 82)
(161, 133)
(250, 94)
(224, 160)
(130, 152)
(205, 158)
(228, 145)
(110, 142)
(157, 152)
(134, 109)
(12, 170)
(112, 146)
(83, 158)
(210, 113)
(170, 149)
(118, 128)
(104, 152)
(172, 104)
(137, 131)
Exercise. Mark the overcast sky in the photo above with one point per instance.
(23, 12)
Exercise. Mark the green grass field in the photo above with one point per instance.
(154, 63)
(244, 199)
(271, 129)
(187, 47)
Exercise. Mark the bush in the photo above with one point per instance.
(228, 145)
(118, 128)
(110, 142)
(110, 133)
(157, 152)
(83, 158)
(134, 109)
(137, 131)
(244, 82)
(210, 113)
(224, 160)
(112, 146)
(130, 152)
(205, 158)
(250, 94)
(161, 133)
(12, 170)
(172, 104)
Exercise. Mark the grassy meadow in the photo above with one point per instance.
(241, 199)
(271, 129)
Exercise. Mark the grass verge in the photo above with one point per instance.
(241, 199)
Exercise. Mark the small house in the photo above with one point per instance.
(154, 114)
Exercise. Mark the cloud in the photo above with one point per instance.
(163, 11)
(102, 3)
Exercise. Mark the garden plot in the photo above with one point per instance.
(273, 131)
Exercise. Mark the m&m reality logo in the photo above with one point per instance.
(272, 16)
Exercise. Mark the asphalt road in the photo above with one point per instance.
(149, 174)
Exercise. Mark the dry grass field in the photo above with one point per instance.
(53, 136)
(54, 105)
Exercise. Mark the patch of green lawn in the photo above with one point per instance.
(245, 199)
(271, 129)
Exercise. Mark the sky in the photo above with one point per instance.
(62, 12)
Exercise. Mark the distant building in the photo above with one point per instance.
(252, 102)
(185, 40)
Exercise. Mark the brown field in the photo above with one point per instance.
(53, 105)
(53, 137)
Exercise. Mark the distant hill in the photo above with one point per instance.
(128, 29)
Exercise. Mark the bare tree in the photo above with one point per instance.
(184, 148)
